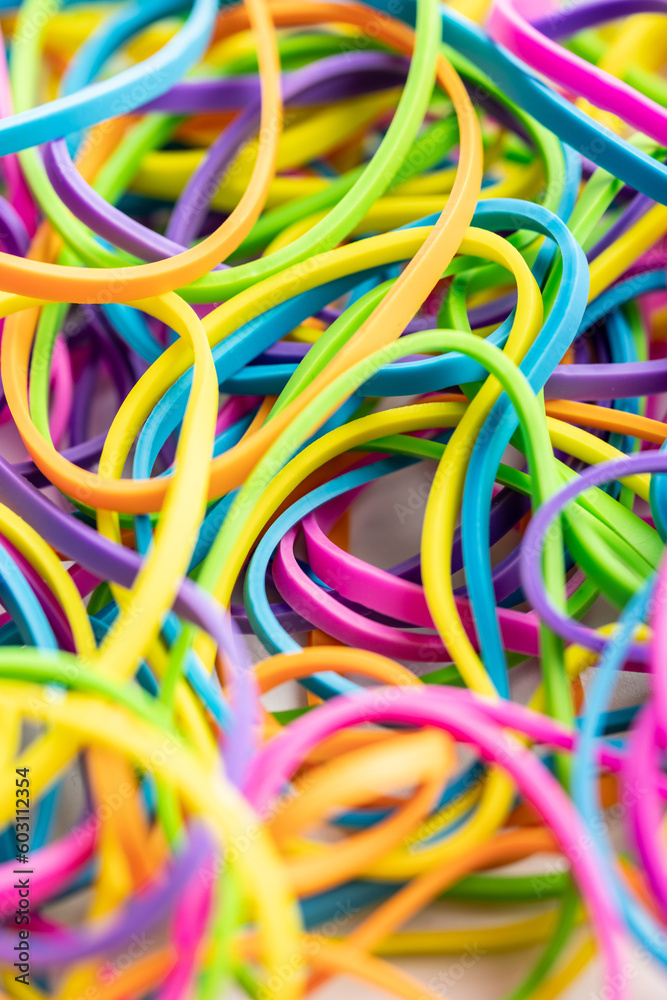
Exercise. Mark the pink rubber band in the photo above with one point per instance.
(53, 865)
(511, 28)
(189, 930)
(279, 758)
(379, 591)
(62, 384)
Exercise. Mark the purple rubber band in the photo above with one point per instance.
(587, 382)
(114, 562)
(370, 72)
(143, 912)
(191, 208)
(631, 214)
(569, 20)
(533, 544)
(14, 237)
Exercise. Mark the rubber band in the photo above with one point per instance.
(338, 327)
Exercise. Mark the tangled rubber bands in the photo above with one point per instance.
(284, 284)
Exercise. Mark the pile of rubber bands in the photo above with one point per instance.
(260, 263)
